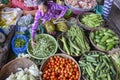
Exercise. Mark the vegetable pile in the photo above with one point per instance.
(19, 43)
(60, 68)
(74, 42)
(84, 4)
(116, 57)
(105, 39)
(45, 46)
(92, 20)
(97, 66)
(31, 73)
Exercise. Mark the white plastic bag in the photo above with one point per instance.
(25, 20)
(10, 15)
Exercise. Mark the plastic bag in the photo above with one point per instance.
(19, 50)
(25, 20)
(10, 16)
(30, 3)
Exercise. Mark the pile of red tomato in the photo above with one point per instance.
(60, 68)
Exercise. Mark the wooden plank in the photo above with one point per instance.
(117, 3)
(114, 20)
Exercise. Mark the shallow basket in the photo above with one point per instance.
(95, 44)
(12, 66)
(62, 55)
(79, 17)
(29, 50)
(116, 78)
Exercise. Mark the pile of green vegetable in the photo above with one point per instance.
(97, 66)
(19, 43)
(74, 42)
(92, 20)
(45, 46)
(105, 39)
(116, 57)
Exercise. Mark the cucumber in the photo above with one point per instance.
(92, 35)
(109, 47)
(115, 38)
(104, 38)
(108, 34)
(110, 40)
(97, 37)
(101, 46)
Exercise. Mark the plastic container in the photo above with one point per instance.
(77, 11)
(29, 50)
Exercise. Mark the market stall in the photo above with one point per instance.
(68, 40)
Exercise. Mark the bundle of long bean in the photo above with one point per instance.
(75, 43)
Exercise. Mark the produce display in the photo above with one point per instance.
(116, 57)
(84, 4)
(31, 73)
(74, 42)
(60, 68)
(74, 60)
(45, 46)
(97, 66)
(104, 39)
(19, 43)
(92, 20)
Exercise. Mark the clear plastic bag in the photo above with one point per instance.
(25, 20)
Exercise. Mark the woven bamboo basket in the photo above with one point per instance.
(12, 66)
(62, 55)
(116, 69)
(79, 17)
(96, 47)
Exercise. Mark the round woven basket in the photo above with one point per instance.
(94, 43)
(79, 17)
(62, 55)
(60, 45)
(12, 66)
(116, 78)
